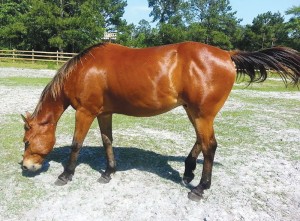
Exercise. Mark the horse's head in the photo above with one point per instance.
(39, 140)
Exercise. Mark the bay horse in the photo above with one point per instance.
(108, 78)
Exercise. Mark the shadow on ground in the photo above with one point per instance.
(127, 158)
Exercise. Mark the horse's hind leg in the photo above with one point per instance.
(206, 143)
(105, 124)
(190, 161)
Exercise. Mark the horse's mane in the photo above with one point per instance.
(54, 87)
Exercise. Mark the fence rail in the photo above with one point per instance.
(14, 55)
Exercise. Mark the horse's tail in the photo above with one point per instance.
(284, 61)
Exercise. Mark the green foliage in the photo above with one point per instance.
(217, 19)
(40, 24)
(213, 22)
(12, 29)
(207, 21)
(169, 33)
(69, 25)
(293, 27)
(163, 10)
(266, 30)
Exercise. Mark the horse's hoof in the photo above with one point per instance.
(63, 179)
(104, 179)
(188, 179)
(196, 194)
(194, 197)
(60, 182)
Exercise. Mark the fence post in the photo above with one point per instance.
(62, 55)
(14, 55)
(32, 56)
(57, 57)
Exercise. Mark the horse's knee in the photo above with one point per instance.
(209, 150)
(213, 145)
(107, 140)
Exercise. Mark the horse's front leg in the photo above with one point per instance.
(105, 124)
(190, 163)
(82, 125)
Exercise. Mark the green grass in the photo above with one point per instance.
(24, 81)
(11, 136)
(270, 85)
(273, 83)
(27, 64)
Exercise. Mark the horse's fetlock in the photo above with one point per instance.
(205, 184)
(187, 178)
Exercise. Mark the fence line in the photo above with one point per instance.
(14, 55)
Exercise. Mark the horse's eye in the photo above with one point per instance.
(26, 144)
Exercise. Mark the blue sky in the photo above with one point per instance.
(246, 9)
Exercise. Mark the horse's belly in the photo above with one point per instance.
(141, 107)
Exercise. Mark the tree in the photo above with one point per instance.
(267, 30)
(293, 27)
(12, 29)
(80, 27)
(125, 34)
(112, 10)
(216, 21)
(163, 10)
(69, 25)
(39, 22)
(142, 34)
(169, 33)
(83, 23)
(196, 32)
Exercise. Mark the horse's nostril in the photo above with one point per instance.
(24, 168)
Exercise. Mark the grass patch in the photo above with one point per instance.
(273, 83)
(269, 85)
(24, 81)
(11, 138)
(28, 64)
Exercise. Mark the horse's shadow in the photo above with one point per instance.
(127, 158)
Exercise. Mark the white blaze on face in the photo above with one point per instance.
(31, 166)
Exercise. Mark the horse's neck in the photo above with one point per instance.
(51, 109)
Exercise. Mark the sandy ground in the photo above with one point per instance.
(248, 184)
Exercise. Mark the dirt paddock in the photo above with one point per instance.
(256, 175)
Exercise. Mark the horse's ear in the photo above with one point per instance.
(24, 118)
(27, 126)
(28, 115)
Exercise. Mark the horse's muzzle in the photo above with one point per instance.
(28, 165)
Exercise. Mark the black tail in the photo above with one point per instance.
(284, 61)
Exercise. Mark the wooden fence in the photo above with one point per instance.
(15, 55)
